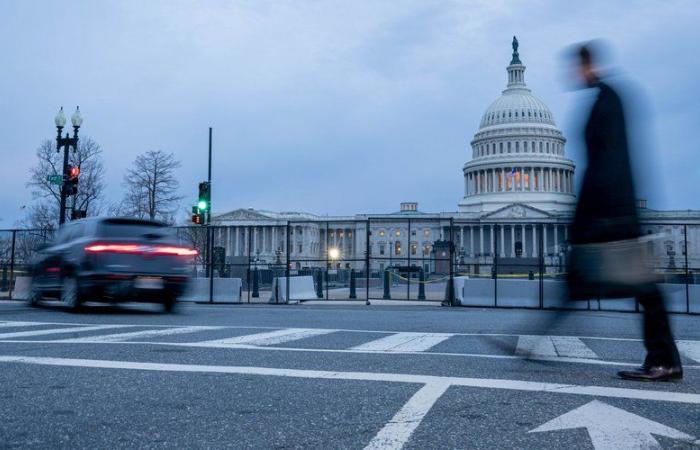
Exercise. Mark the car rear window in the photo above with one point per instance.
(133, 228)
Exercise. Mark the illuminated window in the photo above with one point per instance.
(426, 249)
(382, 233)
(426, 232)
(398, 232)
(414, 249)
(397, 248)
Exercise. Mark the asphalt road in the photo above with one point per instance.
(336, 376)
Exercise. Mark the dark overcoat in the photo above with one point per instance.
(606, 209)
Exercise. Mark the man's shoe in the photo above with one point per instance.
(652, 373)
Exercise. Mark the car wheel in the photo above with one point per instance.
(70, 293)
(169, 304)
(34, 296)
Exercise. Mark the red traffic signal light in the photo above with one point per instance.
(73, 172)
(197, 219)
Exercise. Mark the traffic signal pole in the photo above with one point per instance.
(210, 232)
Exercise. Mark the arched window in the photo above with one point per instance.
(541, 147)
(500, 144)
(517, 147)
(397, 248)
(547, 147)
(508, 147)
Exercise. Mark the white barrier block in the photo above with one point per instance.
(300, 288)
(556, 295)
(518, 293)
(225, 290)
(477, 292)
(459, 283)
(21, 288)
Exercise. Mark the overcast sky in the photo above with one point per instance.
(321, 106)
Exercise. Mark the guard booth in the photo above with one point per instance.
(441, 255)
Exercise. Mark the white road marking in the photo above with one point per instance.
(691, 349)
(613, 428)
(268, 338)
(19, 324)
(404, 342)
(396, 433)
(538, 346)
(488, 383)
(21, 334)
(120, 337)
(572, 347)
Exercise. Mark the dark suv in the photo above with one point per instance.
(112, 259)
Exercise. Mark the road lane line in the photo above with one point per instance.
(397, 432)
(268, 338)
(404, 342)
(489, 383)
(20, 334)
(572, 347)
(535, 346)
(691, 349)
(120, 337)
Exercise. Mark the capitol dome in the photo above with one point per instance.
(518, 153)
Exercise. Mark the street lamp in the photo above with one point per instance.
(66, 143)
(334, 254)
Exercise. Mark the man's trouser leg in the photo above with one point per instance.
(658, 338)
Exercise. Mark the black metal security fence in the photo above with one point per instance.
(506, 263)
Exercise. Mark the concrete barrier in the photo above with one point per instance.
(21, 288)
(225, 290)
(300, 288)
(525, 294)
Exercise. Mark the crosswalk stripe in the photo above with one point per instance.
(691, 349)
(21, 334)
(268, 338)
(19, 324)
(541, 346)
(572, 347)
(404, 342)
(119, 337)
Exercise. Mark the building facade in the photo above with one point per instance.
(517, 203)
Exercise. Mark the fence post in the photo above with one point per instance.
(387, 289)
(494, 234)
(421, 285)
(540, 243)
(353, 293)
(12, 264)
(286, 269)
(368, 269)
(687, 274)
(451, 285)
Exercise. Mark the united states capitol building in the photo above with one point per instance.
(517, 203)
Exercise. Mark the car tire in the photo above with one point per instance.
(70, 293)
(169, 304)
(34, 296)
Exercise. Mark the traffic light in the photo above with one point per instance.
(204, 197)
(72, 182)
(197, 216)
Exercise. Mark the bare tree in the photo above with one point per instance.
(88, 157)
(151, 189)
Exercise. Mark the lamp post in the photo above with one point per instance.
(66, 143)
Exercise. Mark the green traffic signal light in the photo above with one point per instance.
(202, 205)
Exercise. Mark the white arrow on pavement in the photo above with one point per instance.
(613, 428)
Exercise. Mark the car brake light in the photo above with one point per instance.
(140, 249)
(179, 251)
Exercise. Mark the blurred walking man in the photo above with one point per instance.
(606, 215)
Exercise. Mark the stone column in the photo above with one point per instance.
(535, 247)
(512, 241)
(461, 239)
(544, 240)
(481, 239)
(492, 239)
(471, 238)
(523, 240)
(503, 242)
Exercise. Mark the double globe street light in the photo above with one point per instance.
(66, 143)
